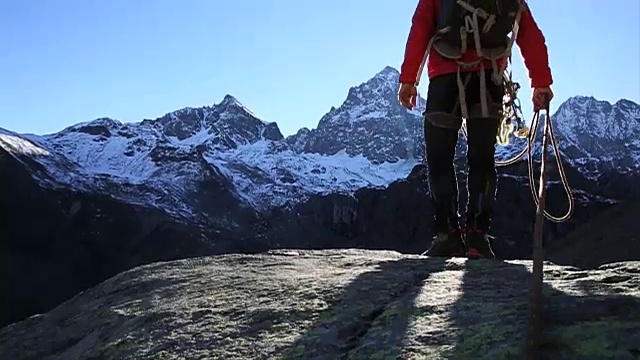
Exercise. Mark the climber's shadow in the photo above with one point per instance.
(388, 313)
(375, 308)
(489, 319)
(385, 313)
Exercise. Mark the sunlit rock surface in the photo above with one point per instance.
(347, 304)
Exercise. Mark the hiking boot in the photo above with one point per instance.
(478, 245)
(446, 244)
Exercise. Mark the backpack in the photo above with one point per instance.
(483, 25)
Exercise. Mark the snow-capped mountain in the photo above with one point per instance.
(371, 122)
(596, 136)
(162, 162)
(369, 140)
(224, 126)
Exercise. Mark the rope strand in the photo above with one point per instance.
(536, 301)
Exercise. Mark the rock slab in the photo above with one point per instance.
(342, 304)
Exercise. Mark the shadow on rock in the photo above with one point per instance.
(372, 315)
(87, 326)
(489, 319)
(334, 305)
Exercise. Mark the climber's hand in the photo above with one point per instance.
(541, 98)
(408, 95)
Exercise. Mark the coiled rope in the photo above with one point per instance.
(512, 113)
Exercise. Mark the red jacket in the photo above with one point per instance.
(530, 40)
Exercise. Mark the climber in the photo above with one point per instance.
(463, 84)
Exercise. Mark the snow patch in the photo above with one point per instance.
(281, 176)
(196, 139)
(18, 145)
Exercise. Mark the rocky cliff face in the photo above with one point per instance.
(334, 305)
(371, 123)
(399, 217)
(600, 136)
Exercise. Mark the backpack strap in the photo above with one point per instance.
(497, 75)
(514, 32)
(427, 52)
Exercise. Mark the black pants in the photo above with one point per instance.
(441, 126)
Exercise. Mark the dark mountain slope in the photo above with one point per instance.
(57, 242)
(611, 236)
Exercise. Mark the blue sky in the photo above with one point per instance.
(66, 61)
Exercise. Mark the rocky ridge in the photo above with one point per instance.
(336, 305)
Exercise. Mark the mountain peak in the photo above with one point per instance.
(589, 103)
(370, 122)
(231, 104)
(99, 126)
(583, 104)
(582, 100)
(388, 73)
(626, 103)
(230, 100)
(382, 85)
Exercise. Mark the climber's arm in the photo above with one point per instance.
(533, 48)
(422, 29)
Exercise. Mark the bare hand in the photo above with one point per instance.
(541, 98)
(408, 95)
